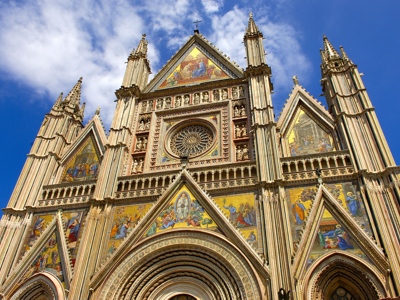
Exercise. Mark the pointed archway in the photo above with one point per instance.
(338, 276)
(203, 265)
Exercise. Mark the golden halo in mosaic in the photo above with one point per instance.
(191, 140)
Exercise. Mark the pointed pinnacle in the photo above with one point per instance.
(58, 101)
(142, 47)
(74, 96)
(251, 27)
(330, 52)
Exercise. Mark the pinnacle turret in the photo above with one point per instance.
(142, 47)
(74, 96)
(329, 51)
(252, 28)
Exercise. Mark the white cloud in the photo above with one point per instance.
(212, 6)
(49, 44)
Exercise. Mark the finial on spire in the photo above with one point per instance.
(251, 27)
(295, 80)
(97, 112)
(74, 96)
(330, 52)
(142, 47)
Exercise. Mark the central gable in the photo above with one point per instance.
(198, 61)
(195, 68)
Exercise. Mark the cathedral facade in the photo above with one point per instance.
(197, 192)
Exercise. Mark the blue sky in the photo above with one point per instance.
(46, 45)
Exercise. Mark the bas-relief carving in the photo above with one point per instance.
(125, 218)
(195, 68)
(242, 214)
(184, 211)
(306, 136)
(49, 260)
(331, 235)
(83, 165)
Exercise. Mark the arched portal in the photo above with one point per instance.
(342, 277)
(201, 265)
(41, 286)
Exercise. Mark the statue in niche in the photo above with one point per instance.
(242, 111)
(139, 144)
(237, 131)
(236, 112)
(144, 144)
(140, 166)
(243, 131)
(168, 102)
(144, 106)
(234, 92)
(186, 100)
(224, 94)
(206, 97)
(134, 166)
(160, 103)
(245, 152)
(178, 101)
(196, 98)
(147, 125)
(141, 125)
(216, 95)
(241, 91)
(150, 106)
(238, 153)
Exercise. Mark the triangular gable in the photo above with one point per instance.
(183, 211)
(48, 253)
(82, 159)
(326, 212)
(306, 127)
(198, 61)
(184, 183)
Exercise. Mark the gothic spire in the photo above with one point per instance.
(74, 96)
(252, 28)
(58, 101)
(329, 51)
(142, 47)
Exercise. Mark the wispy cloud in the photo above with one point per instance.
(49, 44)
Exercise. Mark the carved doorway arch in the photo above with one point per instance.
(41, 286)
(199, 264)
(339, 276)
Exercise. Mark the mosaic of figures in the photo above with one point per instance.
(184, 211)
(195, 68)
(39, 224)
(306, 136)
(84, 164)
(242, 214)
(193, 99)
(331, 234)
(73, 222)
(49, 260)
(124, 220)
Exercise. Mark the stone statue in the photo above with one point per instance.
(242, 111)
(196, 98)
(186, 100)
(224, 94)
(216, 95)
(160, 103)
(245, 152)
(241, 91)
(150, 107)
(144, 106)
(147, 125)
(138, 145)
(237, 131)
(206, 97)
(141, 125)
(236, 112)
(134, 166)
(168, 102)
(140, 166)
(238, 153)
(243, 131)
(234, 92)
(178, 101)
(144, 144)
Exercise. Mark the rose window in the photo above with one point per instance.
(191, 140)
